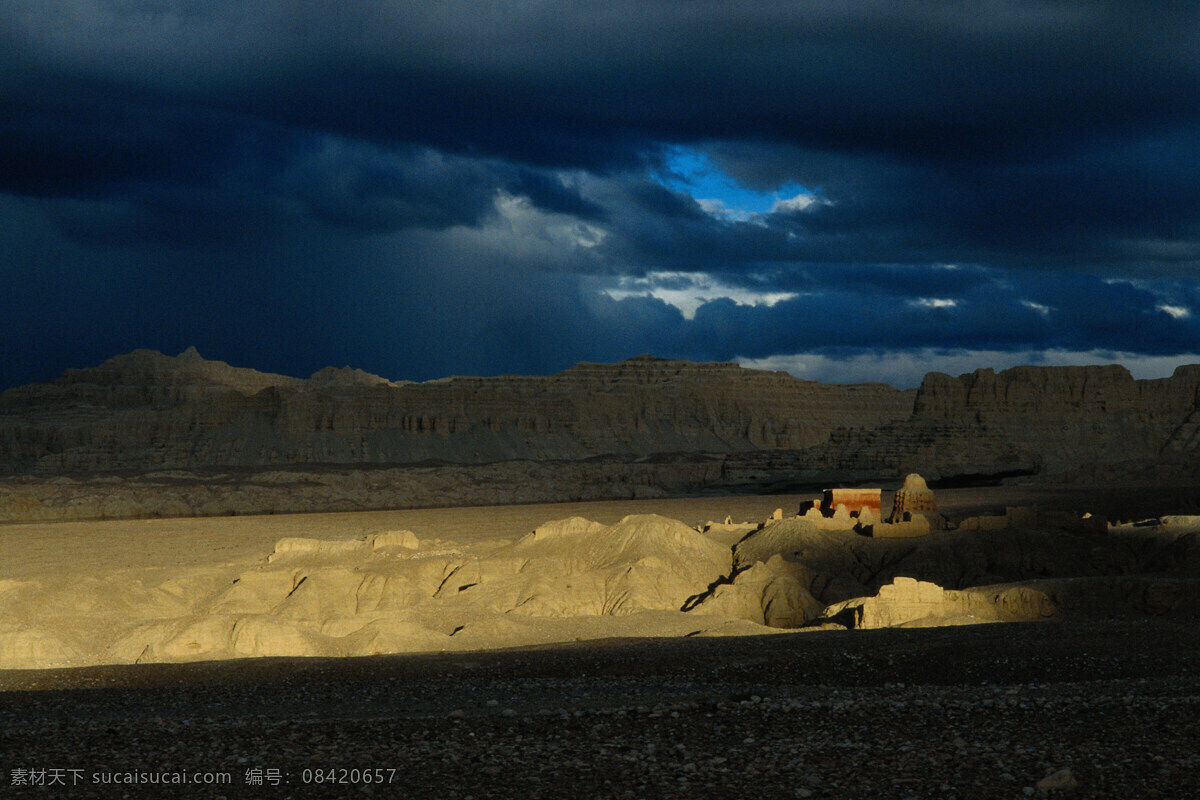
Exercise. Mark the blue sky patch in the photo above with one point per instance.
(691, 172)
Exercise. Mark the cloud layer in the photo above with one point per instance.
(485, 187)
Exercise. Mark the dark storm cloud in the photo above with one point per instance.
(587, 84)
(423, 188)
(1116, 205)
(255, 181)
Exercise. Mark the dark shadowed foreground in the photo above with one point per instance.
(986, 711)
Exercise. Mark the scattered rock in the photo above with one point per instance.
(1062, 780)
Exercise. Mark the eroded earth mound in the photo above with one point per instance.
(390, 591)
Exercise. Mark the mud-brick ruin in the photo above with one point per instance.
(914, 511)
(855, 500)
(915, 497)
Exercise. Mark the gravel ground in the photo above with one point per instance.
(978, 712)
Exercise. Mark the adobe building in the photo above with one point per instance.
(855, 500)
(914, 497)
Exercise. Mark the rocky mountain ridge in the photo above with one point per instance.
(144, 411)
(1093, 424)
(638, 428)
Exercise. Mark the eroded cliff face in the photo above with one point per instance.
(1074, 424)
(145, 411)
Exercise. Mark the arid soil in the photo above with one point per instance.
(975, 712)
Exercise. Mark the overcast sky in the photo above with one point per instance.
(846, 190)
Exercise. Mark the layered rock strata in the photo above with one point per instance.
(639, 428)
(146, 411)
(1083, 425)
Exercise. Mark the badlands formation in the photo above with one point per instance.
(146, 411)
(105, 465)
(617, 640)
(153, 591)
(147, 435)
